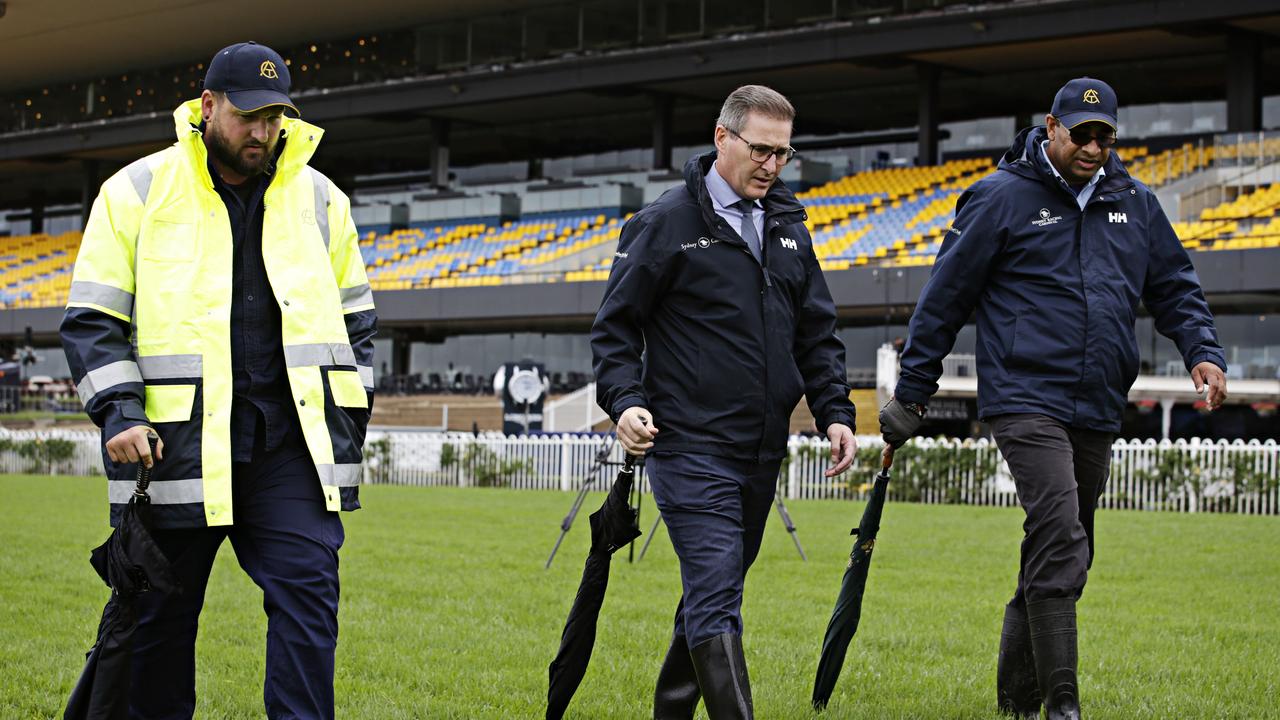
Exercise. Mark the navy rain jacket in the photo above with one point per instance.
(729, 343)
(1056, 291)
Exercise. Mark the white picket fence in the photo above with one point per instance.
(1194, 476)
(86, 459)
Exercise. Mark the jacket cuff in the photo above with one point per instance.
(122, 415)
(621, 406)
(844, 416)
(1207, 356)
(906, 394)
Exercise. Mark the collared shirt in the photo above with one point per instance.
(723, 199)
(262, 414)
(1084, 193)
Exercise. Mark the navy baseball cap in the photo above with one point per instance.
(253, 76)
(1085, 100)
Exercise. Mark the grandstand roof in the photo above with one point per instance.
(52, 40)
(997, 59)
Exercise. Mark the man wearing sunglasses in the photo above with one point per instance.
(1054, 251)
(715, 321)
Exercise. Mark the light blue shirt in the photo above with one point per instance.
(722, 199)
(1086, 192)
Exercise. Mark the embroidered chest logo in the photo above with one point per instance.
(1117, 217)
(788, 243)
(1046, 218)
(702, 242)
(309, 216)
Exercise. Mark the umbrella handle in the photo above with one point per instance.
(886, 457)
(629, 462)
(144, 472)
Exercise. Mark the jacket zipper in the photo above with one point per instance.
(764, 302)
(1084, 292)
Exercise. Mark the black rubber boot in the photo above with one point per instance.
(676, 696)
(1053, 639)
(722, 677)
(1017, 693)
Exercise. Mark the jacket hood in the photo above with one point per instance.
(1025, 159)
(303, 137)
(778, 201)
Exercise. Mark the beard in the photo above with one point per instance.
(232, 157)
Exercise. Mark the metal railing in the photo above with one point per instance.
(575, 412)
(1179, 476)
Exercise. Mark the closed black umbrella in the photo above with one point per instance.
(848, 611)
(612, 526)
(130, 563)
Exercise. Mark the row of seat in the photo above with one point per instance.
(1249, 221)
(35, 270)
(1169, 165)
(905, 221)
(895, 216)
(484, 253)
(1262, 202)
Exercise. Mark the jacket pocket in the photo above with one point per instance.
(170, 241)
(346, 414)
(348, 389)
(1044, 346)
(170, 403)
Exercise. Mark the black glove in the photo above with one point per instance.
(899, 421)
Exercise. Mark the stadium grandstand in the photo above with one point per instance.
(494, 151)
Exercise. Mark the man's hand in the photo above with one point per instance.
(1206, 373)
(843, 446)
(898, 422)
(131, 446)
(636, 430)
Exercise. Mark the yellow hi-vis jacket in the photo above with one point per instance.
(147, 329)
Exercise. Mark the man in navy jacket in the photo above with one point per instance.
(705, 341)
(1054, 251)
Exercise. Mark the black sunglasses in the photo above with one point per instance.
(1082, 138)
(761, 153)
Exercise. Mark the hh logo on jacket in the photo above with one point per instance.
(1117, 217)
(788, 243)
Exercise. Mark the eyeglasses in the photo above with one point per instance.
(1082, 138)
(762, 153)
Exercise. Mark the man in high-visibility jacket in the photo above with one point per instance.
(219, 299)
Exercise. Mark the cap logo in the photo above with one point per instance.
(268, 71)
(1091, 96)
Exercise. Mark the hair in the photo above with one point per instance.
(754, 99)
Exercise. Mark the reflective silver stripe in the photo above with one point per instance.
(356, 296)
(343, 475)
(111, 298)
(140, 173)
(162, 367)
(107, 376)
(318, 354)
(162, 492)
(366, 376)
(321, 184)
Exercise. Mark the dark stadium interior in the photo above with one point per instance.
(857, 68)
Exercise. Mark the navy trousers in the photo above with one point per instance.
(1060, 472)
(715, 511)
(288, 544)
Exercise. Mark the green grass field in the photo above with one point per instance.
(447, 612)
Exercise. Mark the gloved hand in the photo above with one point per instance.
(899, 421)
